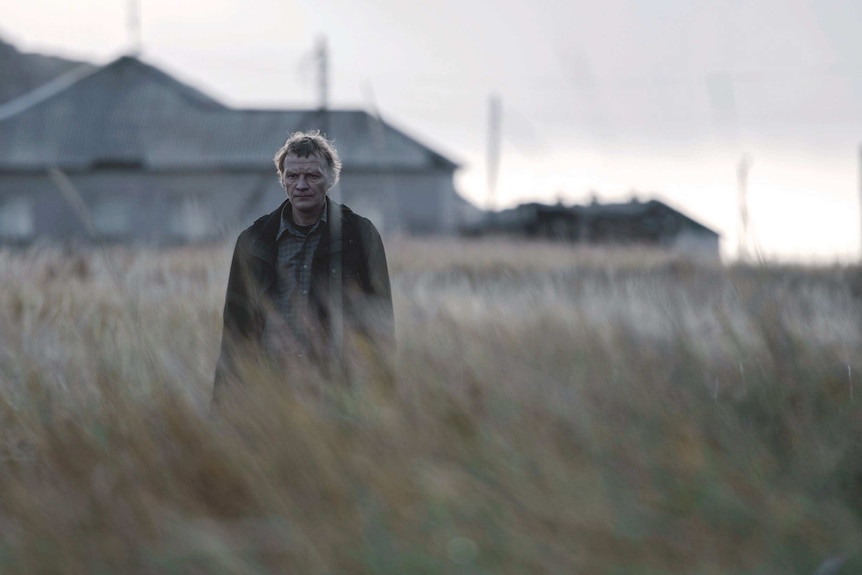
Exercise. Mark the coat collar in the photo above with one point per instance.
(264, 232)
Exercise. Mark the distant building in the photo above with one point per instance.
(651, 223)
(125, 152)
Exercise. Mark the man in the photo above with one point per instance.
(304, 275)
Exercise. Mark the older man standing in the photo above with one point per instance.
(304, 274)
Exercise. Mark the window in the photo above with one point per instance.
(111, 217)
(16, 218)
(191, 220)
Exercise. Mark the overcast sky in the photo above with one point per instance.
(662, 97)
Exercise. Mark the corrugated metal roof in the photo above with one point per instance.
(21, 72)
(636, 209)
(129, 112)
(629, 211)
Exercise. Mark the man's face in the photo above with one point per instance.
(306, 183)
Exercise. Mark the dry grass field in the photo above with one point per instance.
(549, 410)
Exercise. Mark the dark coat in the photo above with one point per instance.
(348, 273)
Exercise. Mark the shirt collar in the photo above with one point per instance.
(287, 224)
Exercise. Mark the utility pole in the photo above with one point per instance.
(742, 170)
(494, 121)
(134, 28)
(322, 57)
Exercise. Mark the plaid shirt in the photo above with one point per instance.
(292, 329)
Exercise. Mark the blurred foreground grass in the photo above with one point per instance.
(549, 411)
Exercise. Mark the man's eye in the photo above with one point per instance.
(291, 177)
(314, 177)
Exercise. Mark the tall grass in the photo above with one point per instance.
(549, 410)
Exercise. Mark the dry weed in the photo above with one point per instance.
(549, 411)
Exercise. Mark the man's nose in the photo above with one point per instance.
(302, 182)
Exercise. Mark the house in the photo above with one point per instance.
(125, 152)
(22, 72)
(651, 223)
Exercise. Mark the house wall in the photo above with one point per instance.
(702, 245)
(123, 205)
(411, 203)
(136, 206)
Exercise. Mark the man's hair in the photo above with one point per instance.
(305, 144)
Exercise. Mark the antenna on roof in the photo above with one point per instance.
(134, 28)
(494, 120)
(322, 57)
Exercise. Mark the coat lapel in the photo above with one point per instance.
(262, 248)
(338, 230)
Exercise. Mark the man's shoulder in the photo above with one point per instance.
(254, 237)
(257, 225)
(263, 224)
(362, 224)
(255, 228)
